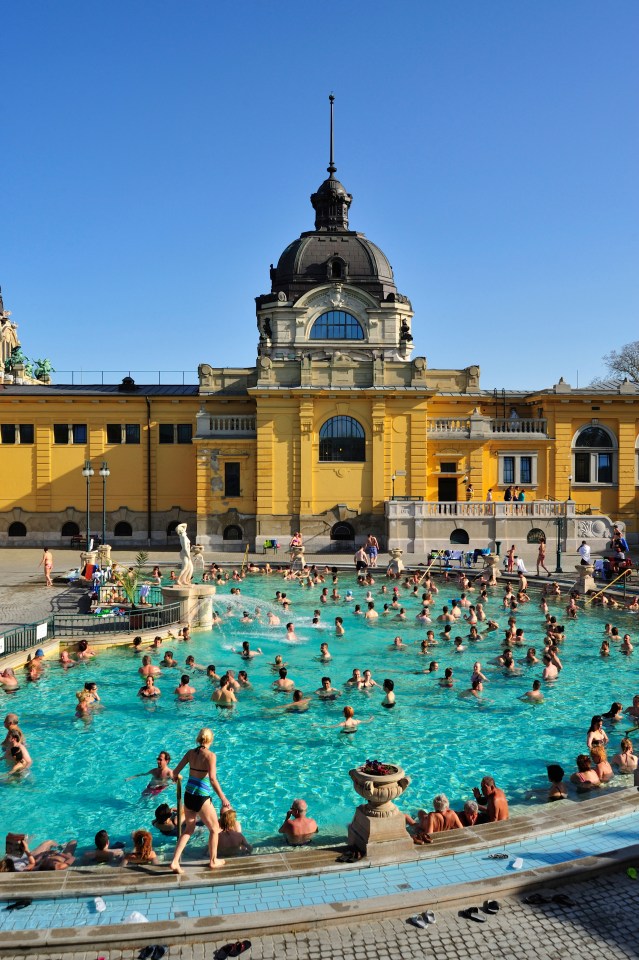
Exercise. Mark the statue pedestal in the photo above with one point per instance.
(491, 565)
(196, 600)
(585, 581)
(378, 828)
(395, 566)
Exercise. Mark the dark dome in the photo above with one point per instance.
(315, 258)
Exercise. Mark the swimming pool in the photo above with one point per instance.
(267, 757)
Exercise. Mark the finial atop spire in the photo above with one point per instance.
(331, 166)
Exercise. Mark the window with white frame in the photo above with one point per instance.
(517, 469)
(594, 456)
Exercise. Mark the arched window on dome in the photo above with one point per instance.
(337, 325)
(594, 456)
(342, 439)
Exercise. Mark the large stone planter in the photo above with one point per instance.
(585, 581)
(378, 828)
(297, 558)
(395, 566)
(491, 565)
(196, 601)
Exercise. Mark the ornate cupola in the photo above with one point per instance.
(333, 291)
(331, 201)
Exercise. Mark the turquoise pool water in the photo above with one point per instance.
(267, 757)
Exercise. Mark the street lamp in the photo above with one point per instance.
(570, 487)
(87, 471)
(398, 473)
(104, 473)
(559, 521)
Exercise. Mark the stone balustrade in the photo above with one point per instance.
(226, 426)
(533, 509)
(482, 427)
(534, 425)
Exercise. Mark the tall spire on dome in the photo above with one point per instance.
(331, 202)
(331, 164)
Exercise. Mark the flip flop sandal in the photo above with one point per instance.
(429, 916)
(536, 899)
(632, 872)
(497, 856)
(564, 900)
(491, 906)
(146, 953)
(238, 948)
(18, 904)
(158, 952)
(417, 921)
(472, 913)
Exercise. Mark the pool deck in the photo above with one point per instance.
(298, 890)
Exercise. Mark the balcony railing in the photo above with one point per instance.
(478, 427)
(534, 425)
(424, 509)
(226, 426)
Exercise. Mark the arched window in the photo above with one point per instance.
(170, 530)
(70, 529)
(594, 456)
(342, 531)
(337, 325)
(232, 533)
(342, 438)
(459, 536)
(17, 529)
(123, 529)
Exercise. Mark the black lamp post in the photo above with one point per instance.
(559, 521)
(87, 471)
(104, 473)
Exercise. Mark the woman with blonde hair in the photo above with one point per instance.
(200, 786)
(626, 759)
(231, 839)
(602, 768)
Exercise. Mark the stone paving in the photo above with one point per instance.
(602, 924)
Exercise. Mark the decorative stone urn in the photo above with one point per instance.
(585, 578)
(395, 566)
(378, 828)
(104, 555)
(491, 562)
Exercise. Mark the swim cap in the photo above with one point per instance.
(39, 652)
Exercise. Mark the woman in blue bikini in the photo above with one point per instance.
(200, 786)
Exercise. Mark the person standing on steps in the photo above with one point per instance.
(201, 785)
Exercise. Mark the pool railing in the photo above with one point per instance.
(74, 625)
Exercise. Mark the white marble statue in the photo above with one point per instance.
(186, 573)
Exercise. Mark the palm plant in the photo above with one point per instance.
(129, 581)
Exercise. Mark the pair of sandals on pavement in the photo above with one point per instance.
(156, 952)
(562, 899)
(474, 913)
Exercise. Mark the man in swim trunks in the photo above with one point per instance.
(361, 561)
(297, 827)
(224, 696)
(284, 683)
(372, 549)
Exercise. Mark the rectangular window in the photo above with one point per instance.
(166, 432)
(231, 480)
(8, 433)
(114, 433)
(60, 432)
(26, 433)
(525, 470)
(582, 468)
(184, 432)
(79, 433)
(448, 468)
(132, 433)
(509, 470)
(604, 468)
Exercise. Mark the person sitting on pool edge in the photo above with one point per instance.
(492, 801)
(297, 827)
(442, 818)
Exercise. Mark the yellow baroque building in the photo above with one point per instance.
(337, 431)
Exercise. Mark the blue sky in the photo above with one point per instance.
(158, 156)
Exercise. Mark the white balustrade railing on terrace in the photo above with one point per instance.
(518, 425)
(423, 509)
(449, 425)
(485, 426)
(237, 426)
